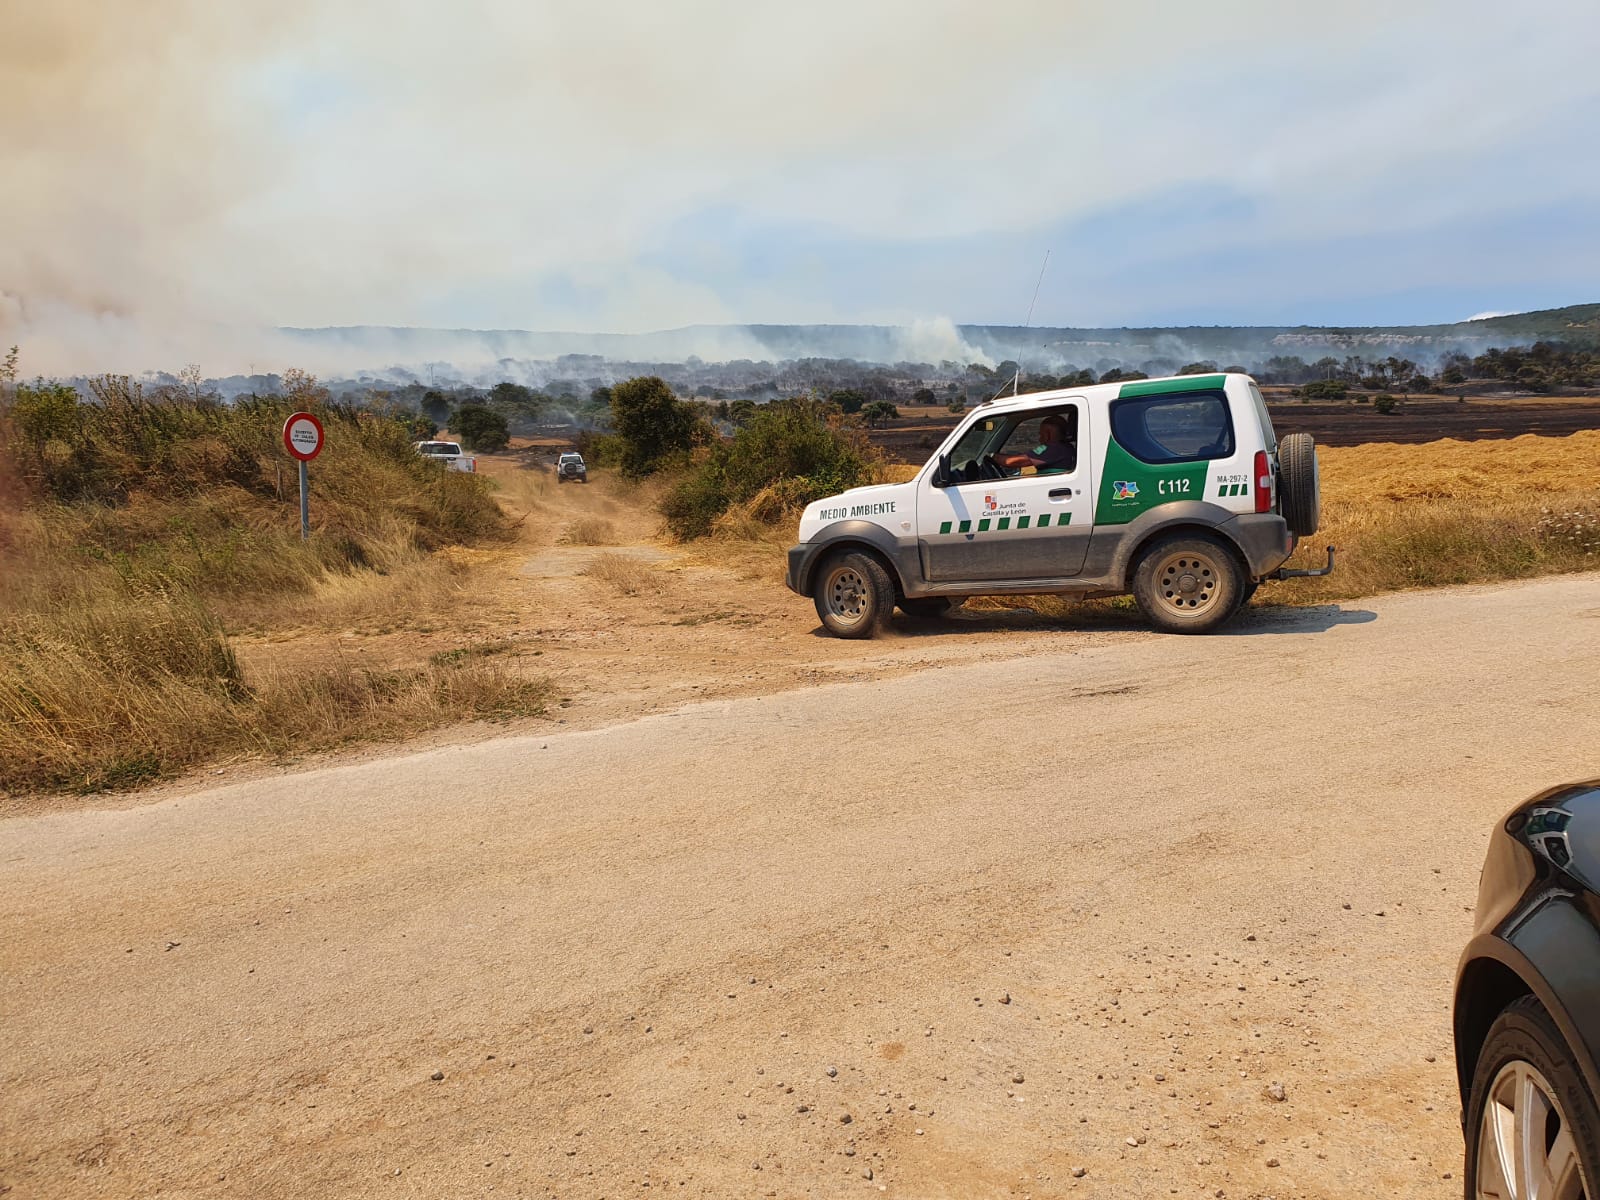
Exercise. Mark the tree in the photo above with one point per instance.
(421, 429)
(480, 427)
(849, 400)
(879, 411)
(652, 422)
(435, 407)
(1198, 368)
(923, 396)
(741, 411)
(1385, 404)
(957, 404)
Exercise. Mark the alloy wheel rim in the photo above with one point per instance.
(1526, 1149)
(847, 595)
(1187, 583)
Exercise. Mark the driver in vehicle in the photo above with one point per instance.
(1054, 454)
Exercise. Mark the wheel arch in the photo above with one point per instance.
(1495, 971)
(852, 535)
(1137, 542)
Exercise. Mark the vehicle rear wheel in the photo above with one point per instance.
(853, 595)
(1299, 484)
(1188, 584)
(930, 607)
(1532, 1127)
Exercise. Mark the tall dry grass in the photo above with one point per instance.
(627, 575)
(138, 533)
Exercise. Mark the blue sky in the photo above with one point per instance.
(626, 167)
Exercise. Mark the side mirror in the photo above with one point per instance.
(941, 474)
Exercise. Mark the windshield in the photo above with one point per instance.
(439, 448)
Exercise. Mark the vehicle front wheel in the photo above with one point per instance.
(1189, 583)
(853, 595)
(1532, 1127)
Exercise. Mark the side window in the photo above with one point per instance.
(1179, 428)
(1049, 438)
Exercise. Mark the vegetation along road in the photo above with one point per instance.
(1050, 926)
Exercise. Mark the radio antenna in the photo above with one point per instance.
(1016, 380)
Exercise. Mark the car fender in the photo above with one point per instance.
(1128, 538)
(900, 552)
(1551, 948)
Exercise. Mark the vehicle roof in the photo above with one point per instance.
(1112, 391)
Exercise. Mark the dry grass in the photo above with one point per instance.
(1452, 512)
(589, 531)
(113, 690)
(627, 575)
(126, 565)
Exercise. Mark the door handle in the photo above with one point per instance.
(1056, 493)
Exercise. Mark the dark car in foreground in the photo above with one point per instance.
(1527, 1007)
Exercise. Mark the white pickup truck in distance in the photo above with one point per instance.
(448, 453)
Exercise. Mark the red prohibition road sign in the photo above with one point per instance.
(302, 436)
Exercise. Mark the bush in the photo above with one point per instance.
(656, 428)
(789, 451)
(480, 428)
(1385, 404)
(1325, 389)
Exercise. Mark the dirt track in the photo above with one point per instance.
(1194, 866)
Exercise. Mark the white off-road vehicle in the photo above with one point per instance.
(1176, 490)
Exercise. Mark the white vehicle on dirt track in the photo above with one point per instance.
(1174, 490)
(448, 453)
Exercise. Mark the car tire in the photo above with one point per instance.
(1526, 1061)
(1188, 583)
(1299, 484)
(929, 608)
(853, 594)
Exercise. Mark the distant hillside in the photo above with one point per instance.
(468, 352)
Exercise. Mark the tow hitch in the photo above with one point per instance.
(1286, 573)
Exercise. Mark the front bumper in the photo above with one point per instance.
(798, 557)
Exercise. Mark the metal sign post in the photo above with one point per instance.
(302, 437)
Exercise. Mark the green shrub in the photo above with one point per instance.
(1385, 404)
(787, 455)
(480, 428)
(655, 427)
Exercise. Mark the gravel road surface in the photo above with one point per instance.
(1045, 926)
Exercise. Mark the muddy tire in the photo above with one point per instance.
(1299, 484)
(930, 608)
(1532, 1127)
(853, 594)
(1188, 583)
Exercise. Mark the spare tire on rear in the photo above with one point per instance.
(1299, 487)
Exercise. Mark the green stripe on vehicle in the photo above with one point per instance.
(1166, 387)
(944, 526)
(1129, 487)
(983, 525)
(966, 527)
(1005, 523)
(1022, 522)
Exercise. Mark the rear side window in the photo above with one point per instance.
(1186, 427)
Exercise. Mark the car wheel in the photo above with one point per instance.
(1299, 484)
(853, 595)
(1532, 1127)
(1188, 584)
(929, 608)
